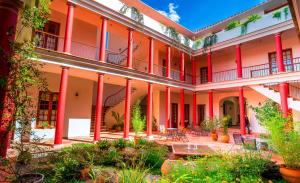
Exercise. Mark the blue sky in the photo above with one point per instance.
(195, 14)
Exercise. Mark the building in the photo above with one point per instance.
(102, 56)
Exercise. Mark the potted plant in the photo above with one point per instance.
(224, 122)
(283, 138)
(138, 122)
(211, 125)
(119, 120)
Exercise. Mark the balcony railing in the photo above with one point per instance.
(227, 75)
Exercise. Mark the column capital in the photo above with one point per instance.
(71, 4)
(100, 74)
(104, 18)
(130, 29)
(238, 45)
(65, 67)
(278, 34)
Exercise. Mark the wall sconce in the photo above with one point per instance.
(259, 104)
(76, 94)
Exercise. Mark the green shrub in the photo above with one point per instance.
(67, 169)
(232, 25)
(138, 122)
(104, 144)
(120, 143)
(132, 175)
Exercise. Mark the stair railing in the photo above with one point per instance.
(119, 57)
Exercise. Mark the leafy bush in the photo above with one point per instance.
(138, 123)
(211, 124)
(67, 169)
(232, 25)
(283, 138)
(224, 122)
(132, 175)
(103, 144)
(245, 167)
(120, 144)
(277, 15)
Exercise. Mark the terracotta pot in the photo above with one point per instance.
(214, 136)
(84, 173)
(290, 175)
(225, 138)
(32, 177)
(136, 139)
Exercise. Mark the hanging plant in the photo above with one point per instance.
(170, 31)
(186, 41)
(232, 25)
(286, 12)
(210, 40)
(277, 15)
(252, 18)
(197, 43)
(135, 13)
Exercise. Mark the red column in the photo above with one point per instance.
(9, 10)
(129, 50)
(242, 111)
(194, 109)
(149, 109)
(182, 115)
(209, 67)
(61, 106)
(279, 56)
(239, 61)
(64, 78)
(284, 90)
(103, 40)
(168, 62)
(182, 78)
(283, 87)
(193, 71)
(168, 107)
(151, 55)
(69, 28)
(127, 108)
(210, 105)
(99, 105)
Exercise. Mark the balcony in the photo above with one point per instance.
(254, 71)
(55, 43)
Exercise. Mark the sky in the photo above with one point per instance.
(195, 14)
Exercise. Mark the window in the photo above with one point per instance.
(48, 37)
(287, 59)
(47, 109)
(203, 75)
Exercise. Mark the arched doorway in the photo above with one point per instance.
(230, 106)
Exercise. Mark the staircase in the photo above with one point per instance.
(271, 91)
(119, 58)
(109, 102)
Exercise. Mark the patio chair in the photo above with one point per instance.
(237, 138)
(181, 135)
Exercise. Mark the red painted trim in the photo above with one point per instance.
(284, 91)
(149, 109)
(210, 105)
(151, 55)
(209, 67)
(182, 114)
(61, 106)
(168, 107)
(279, 55)
(129, 50)
(242, 111)
(127, 108)
(99, 107)
(194, 109)
(103, 40)
(168, 62)
(239, 61)
(69, 28)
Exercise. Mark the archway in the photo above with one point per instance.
(230, 106)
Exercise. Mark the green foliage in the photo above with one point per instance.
(138, 122)
(224, 122)
(172, 33)
(104, 144)
(120, 143)
(66, 169)
(277, 15)
(283, 138)
(233, 24)
(136, 14)
(252, 18)
(197, 44)
(132, 175)
(244, 167)
(186, 41)
(286, 12)
(210, 40)
(211, 124)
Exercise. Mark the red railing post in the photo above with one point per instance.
(168, 107)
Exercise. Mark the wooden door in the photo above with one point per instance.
(174, 115)
(201, 114)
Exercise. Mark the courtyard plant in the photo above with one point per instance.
(283, 138)
(23, 74)
(224, 124)
(138, 122)
(211, 125)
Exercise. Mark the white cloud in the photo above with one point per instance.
(172, 14)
